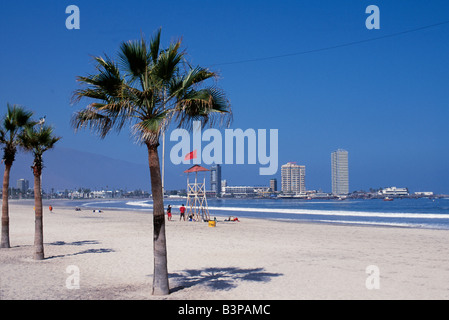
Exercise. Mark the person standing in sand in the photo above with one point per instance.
(169, 212)
(182, 210)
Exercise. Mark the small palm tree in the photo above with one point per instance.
(10, 127)
(37, 139)
(147, 89)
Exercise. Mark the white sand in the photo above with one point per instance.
(251, 259)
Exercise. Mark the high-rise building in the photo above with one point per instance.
(273, 185)
(23, 185)
(215, 179)
(340, 175)
(293, 178)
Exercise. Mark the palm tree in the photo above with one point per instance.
(148, 89)
(12, 123)
(37, 139)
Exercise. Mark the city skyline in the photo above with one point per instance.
(22, 172)
(268, 191)
(385, 100)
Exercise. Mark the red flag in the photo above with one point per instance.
(190, 155)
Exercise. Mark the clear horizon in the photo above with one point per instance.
(385, 101)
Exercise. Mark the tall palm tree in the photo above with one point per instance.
(11, 125)
(37, 139)
(148, 89)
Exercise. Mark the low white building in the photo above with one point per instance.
(238, 190)
(424, 193)
(394, 191)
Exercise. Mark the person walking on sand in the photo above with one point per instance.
(169, 212)
(182, 210)
(50, 208)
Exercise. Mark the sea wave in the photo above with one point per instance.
(146, 204)
(388, 224)
(337, 213)
(97, 203)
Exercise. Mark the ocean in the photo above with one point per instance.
(414, 213)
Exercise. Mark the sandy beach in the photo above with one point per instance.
(250, 259)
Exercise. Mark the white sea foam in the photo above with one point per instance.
(371, 223)
(337, 213)
(97, 203)
(378, 223)
(145, 204)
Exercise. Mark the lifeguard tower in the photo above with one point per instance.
(196, 195)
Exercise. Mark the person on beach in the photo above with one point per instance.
(169, 212)
(182, 211)
(50, 208)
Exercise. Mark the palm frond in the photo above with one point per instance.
(2, 136)
(135, 58)
(106, 85)
(178, 86)
(92, 119)
(104, 117)
(38, 139)
(149, 129)
(154, 46)
(15, 119)
(168, 63)
(207, 105)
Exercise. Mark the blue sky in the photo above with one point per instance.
(384, 101)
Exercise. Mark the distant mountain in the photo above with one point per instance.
(68, 168)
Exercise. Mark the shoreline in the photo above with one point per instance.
(254, 259)
(148, 211)
(251, 213)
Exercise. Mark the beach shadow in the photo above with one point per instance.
(101, 250)
(74, 243)
(219, 278)
(79, 243)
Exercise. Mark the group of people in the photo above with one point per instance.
(182, 213)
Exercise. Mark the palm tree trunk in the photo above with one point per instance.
(38, 222)
(160, 275)
(5, 208)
